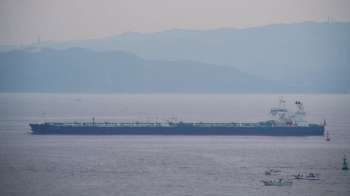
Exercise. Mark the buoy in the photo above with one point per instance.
(328, 139)
(345, 166)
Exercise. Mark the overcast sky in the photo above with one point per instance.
(21, 21)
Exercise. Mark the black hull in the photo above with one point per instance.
(268, 131)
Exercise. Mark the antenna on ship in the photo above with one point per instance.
(281, 102)
(42, 117)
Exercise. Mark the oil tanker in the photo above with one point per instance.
(284, 123)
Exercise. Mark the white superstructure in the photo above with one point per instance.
(282, 117)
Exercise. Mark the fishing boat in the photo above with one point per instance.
(310, 176)
(278, 182)
(270, 171)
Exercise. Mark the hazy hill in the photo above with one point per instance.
(308, 55)
(83, 71)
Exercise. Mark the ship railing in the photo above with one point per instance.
(105, 124)
(228, 125)
(215, 124)
(137, 124)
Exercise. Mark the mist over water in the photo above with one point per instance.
(167, 165)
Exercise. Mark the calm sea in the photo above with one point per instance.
(168, 165)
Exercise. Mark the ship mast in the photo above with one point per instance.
(42, 117)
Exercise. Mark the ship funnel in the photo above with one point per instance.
(300, 108)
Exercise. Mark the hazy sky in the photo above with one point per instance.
(21, 21)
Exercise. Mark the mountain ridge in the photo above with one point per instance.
(85, 71)
(308, 55)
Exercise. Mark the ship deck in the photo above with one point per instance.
(181, 124)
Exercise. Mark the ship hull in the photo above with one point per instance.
(277, 183)
(161, 130)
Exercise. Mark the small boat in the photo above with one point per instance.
(310, 176)
(278, 182)
(270, 171)
(327, 138)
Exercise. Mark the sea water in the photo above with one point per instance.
(168, 165)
